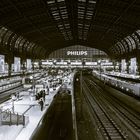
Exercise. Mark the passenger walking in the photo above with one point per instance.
(17, 95)
(41, 103)
(37, 96)
(43, 95)
(47, 89)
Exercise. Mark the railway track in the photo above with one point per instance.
(108, 127)
(128, 117)
(108, 104)
(6, 95)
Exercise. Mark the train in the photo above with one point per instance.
(131, 88)
(56, 123)
(8, 87)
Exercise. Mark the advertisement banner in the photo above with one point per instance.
(29, 64)
(17, 64)
(2, 64)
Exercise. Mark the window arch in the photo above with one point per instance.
(17, 43)
(25, 46)
(138, 32)
(131, 43)
(31, 48)
(118, 48)
(122, 50)
(125, 45)
(6, 36)
(137, 37)
(113, 50)
(13, 40)
(2, 33)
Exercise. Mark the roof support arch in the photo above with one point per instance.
(137, 33)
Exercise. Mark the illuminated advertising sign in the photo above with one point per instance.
(123, 65)
(77, 53)
(47, 63)
(76, 63)
(91, 63)
(16, 64)
(2, 63)
(29, 64)
(61, 63)
(133, 65)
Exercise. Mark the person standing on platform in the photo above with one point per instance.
(48, 90)
(43, 95)
(41, 103)
(17, 95)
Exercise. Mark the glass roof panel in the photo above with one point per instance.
(51, 1)
(82, 0)
(92, 1)
(60, 0)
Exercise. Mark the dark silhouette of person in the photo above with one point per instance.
(43, 95)
(41, 103)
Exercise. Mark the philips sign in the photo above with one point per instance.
(77, 53)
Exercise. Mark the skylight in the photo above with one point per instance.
(85, 14)
(60, 15)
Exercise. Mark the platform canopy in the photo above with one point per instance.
(36, 28)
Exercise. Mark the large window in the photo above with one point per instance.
(2, 33)
(128, 44)
(6, 37)
(121, 47)
(18, 43)
(125, 45)
(137, 38)
(58, 10)
(85, 15)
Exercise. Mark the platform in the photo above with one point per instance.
(31, 108)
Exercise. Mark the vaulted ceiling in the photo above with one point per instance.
(55, 24)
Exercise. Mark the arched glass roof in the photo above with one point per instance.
(11, 41)
(128, 44)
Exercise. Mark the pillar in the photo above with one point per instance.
(127, 65)
(33, 67)
(10, 60)
(114, 65)
(40, 64)
(119, 65)
(9, 68)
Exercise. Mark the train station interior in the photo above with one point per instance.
(69, 69)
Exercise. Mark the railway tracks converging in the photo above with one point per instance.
(130, 118)
(115, 120)
(108, 127)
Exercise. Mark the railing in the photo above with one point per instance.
(9, 118)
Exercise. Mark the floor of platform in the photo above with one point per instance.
(30, 108)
